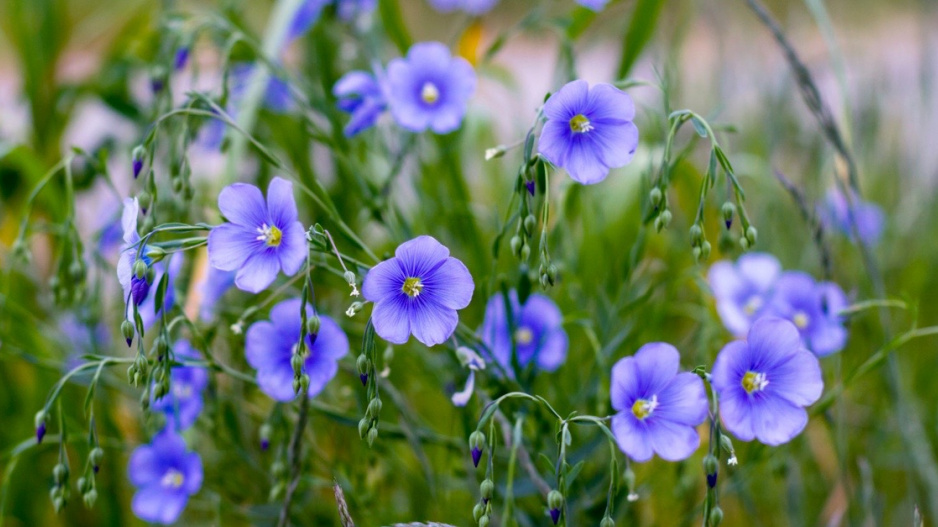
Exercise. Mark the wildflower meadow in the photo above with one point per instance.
(468, 262)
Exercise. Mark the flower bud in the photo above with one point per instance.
(629, 478)
(530, 186)
(40, 422)
(151, 276)
(296, 386)
(95, 456)
(696, 252)
(478, 511)
(752, 235)
(60, 473)
(372, 435)
(716, 516)
(353, 309)
(58, 504)
(696, 235)
(710, 468)
(551, 273)
(304, 383)
(525, 253)
(162, 347)
(145, 199)
(655, 197)
(705, 249)
(486, 489)
(516, 244)
(90, 497)
(264, 433)
(137, 159)
(728, 211)
(76, 270)
(374, 408)
(476, 444)
(140, 269)
(181, 58)
(607, 522)
(297, 362)
(83, 485)
(154, 253)
(495, 152)
(555, 503)
(363, 427)
(744, 243)
(530, 222)
(484, 521)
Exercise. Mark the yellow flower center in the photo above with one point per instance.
(524, 336)
(752, 305)
(754, 382)
(173, 479)
(801, 319)
(580, 124)
(412, 286)
(645, 407)
(270, 235)
(430, 93)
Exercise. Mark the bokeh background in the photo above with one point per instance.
(76, 73)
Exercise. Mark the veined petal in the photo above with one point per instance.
(776, 421)
(421, 255)
(384, 280)
(606, 102)
(391, 319)
(230, 245)
(243, 204)
(281, 205)
(432, 323)
(631, 437)
(736, 413)
(625, 386)
(798, 380)
(155, 504)
(672, 441)
(450, 284)
(683, 401)
(571, 100)
(584, 162)
(331, 342)
(461, 398)
(277, 383)
(144, 467)
(258, 272)
(657, 363)
(293, 249)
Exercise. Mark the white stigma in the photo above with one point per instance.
(269, 234)
(752, 305)
(172, 479)
(524, 336)
(430, 93)
(801, 319)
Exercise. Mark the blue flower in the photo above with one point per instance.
(260, 238)
(359, 93)
(589, 130)
(418, 292)
(473, 7)
(743, 291)
(658, 409)
(764, 383)
(869, 217)
(473, 362)
(270, 346)
(813, 308)
(306, 16)
(536, 334)
(165, 475)
(137, 290)
(429, 88)
(595, 5)
(349, 9)
(183, 404)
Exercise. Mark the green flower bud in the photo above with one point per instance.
(90, 497)
(304, 384)
(752, 235)
(487, 488)
(363, 427)
(696, 252)
(552, 273)
(716, 516)
(95, 456)
(145, 199)
(744, 243)
(140, 269)
(530, 223)
(516, 244)
(629, 478)
(555, 500)
(155, 254)
(705, 250)
(40, 418)
(76, 270)
(362, 364)
(655, 197)
(728, 211)
(60, 474)
(178, 185)
(151, 275)
(372, 435)
(607, 522)
(710, 464)
(484, 521)
(58, 503)
(374, 408)
(525, 253)
(477, 512)
(696, 235)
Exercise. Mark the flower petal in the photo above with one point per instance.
(391, 319)
(461, 398)
(772, 341)
(798, 380)
(421, 255)
(433, 323)
(384, 280)
(264, 346)
(243, 204)
(672, 441)
(606, 102)
(736, 413)
(631, 437)
(129, 220)
(144, 467)
(258, 272)
(293, 249)
(657, 363)
(230, 245)
(683, 401)
(450, 284)
(331, 342)
(624, 387)
(277, 382)
(584, 162)
(760, 269)
(571, 100)
(156, 504)
(776, 421)
(281, 205)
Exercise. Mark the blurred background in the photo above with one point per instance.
(76, 83)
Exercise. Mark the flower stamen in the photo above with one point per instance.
(645, 407)
(270, 235)
(752, 305)
(754, 382)
(172, 479)
(524, 336)
(412, 286)
(580, 124)
(801, 319)
(430, 93)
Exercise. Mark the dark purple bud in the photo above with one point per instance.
(476, 456)
(265, 444)
(40, 433)
(729, 223)
(530, 186)
(555, 515)
(712, 480)
(156, 85)
(364, 378)
(138, 166)
(139, 288)
(485, 501)
(182, 56)
(96, 468)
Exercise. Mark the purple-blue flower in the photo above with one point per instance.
(473, 362)
(181, 58)
(429, 88)
(657, 408)
(183, 404)
(589, 130)
(473, 7)
(764, 383)
(813, 308)
(595, 5)
(536, 332)
(165, 475)
(869, 217)
(138, 290)
(349, 9)
(270, 345)
(260, 238)
(213, 286)
(743, 290)
(305, 18)
(418, 292)
(359, 93)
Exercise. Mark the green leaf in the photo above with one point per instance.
(641, 28)
(161, 292)
(699, 126)
(393, 22)
(582, 18)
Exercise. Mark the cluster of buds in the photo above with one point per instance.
(482, 512)
(300, 377)
(663, 213)
(368, 425)
(60, 491)
(137, 372)
(87, 484)
(698, 240)
(68, 280)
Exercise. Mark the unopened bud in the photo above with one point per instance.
(90, 497)
(264, 434)
(744, 243)
(353, 309)
(363, 427)
(487, 488)
(40, 422)
(374, 408)
(304, 383)
(530, 223)
(494, 152)
(525, 253)
(716, 516)
(484, 521)
(59, 473)
(607, 522)
(140, 269)
(372, 435)
(478, 511)
(728, 211)
(95, 456)
(696, 235)
(752, 235)
(705, 249)
(137, 159)
(58, 504)
(145, 200)
(516, 245)
(655, 197)
(710, 468)
(476, 444)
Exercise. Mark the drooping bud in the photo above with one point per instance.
(696, 235)
(90, 497)
(312, 328)
(264, 433)
(495, 152)
(529, 184)
(304, 383)
(728, 211)
(484, 521)
(716, 516)
(182, 57)
(516, 244)
(705, 249)
(663, 220)
(710, 468)
(59, 473)
(95, 456)
(145, 199)
(727, 445)
(137, 159)
(140, 269)
(744, 243)
(752, 235)
(363, 427)
(655, 197)
(607, 522)
(372, 435)
(478, 511)
(525, 253)
(40, 422)
(530, 223)
(487, 488)
(476, 444)
(555, 504)
(127, 330)
(374, 408)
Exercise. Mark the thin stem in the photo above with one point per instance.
(296, 461)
